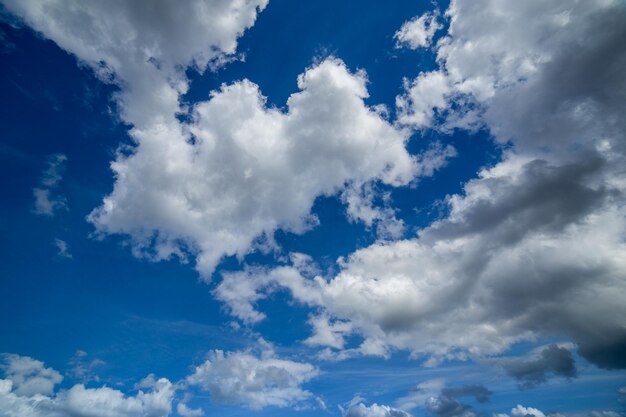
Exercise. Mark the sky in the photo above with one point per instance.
(330, 208)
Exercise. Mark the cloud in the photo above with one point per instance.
(185, 411)
(238, 170)
(552, 360)
(256, 382)
(445, 406)
(534, 246)
(479, 392)
(374, 410)
(418, 32)
(28, 388)
(253, 169)
(441, 401)
(63, 249)
(28, 376)
(83, 368)
(47, 201)
(521, 411)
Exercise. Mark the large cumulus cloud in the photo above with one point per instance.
(239, 170)
(534, 245)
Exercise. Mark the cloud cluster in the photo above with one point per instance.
(28, 391)
(534, 246)
(239, 170)
(242, 378)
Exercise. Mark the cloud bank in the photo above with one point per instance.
(534, 246)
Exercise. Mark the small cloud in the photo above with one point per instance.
(47, 201)
(185, 411)
(63, 248)
(256, 382)
(375, 410)
(83, 368)
(418, 32)
(552, 360)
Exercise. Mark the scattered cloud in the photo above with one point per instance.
(28, 389)
(47, 200)
(254, 381)
(83, 368)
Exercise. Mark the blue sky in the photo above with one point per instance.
(275, 208)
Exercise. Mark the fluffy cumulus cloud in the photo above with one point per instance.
(374, 410)
(47, 200)
(254, 381)
(27, 391)
(239, 170)
(534, 245)
(252, 169)
(28, 376)
(418, 32)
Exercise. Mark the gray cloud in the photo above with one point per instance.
(530, 372)
(479, 392)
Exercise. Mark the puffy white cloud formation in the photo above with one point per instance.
(28, 388)
(28, 376)
(535, 245)
(47, 200)
(374, 410)
(184, 410)
(418, 32)
(521, 411)
(242, 378)
(238, 170)
(253, 169)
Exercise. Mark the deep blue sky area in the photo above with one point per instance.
(141, 317)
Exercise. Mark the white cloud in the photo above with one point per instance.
(418, 32)
(28, 389)
(521, 411)
(253, 169)
(63, 249)
(28, 376)
(239, 170)
(256, 382)
(185, 411)
(540, 234)
(374, 410)
(47, 200)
